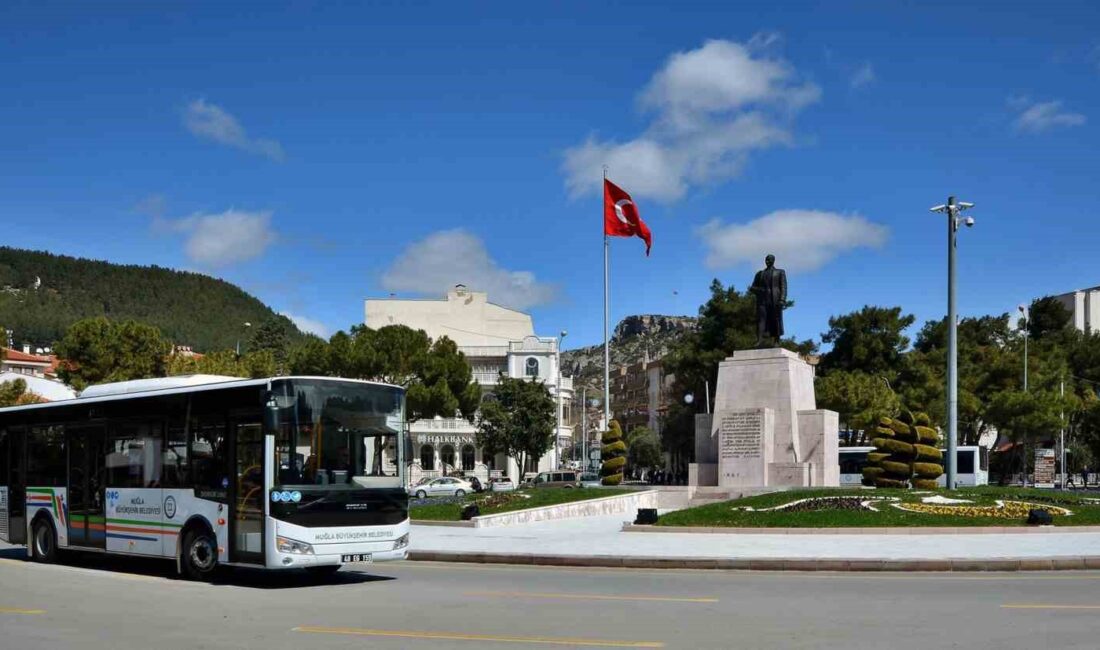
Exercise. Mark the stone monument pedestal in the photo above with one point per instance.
(766, 429)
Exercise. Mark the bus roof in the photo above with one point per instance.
(213, 382)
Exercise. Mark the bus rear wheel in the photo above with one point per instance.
(199, 555)
(44, 542)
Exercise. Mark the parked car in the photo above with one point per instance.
(590, 479)
(448, 486)
(501, 485)
(565, 479)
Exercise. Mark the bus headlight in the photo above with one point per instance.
(291, 546)
(401, 542)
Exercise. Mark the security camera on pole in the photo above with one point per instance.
(953, 211)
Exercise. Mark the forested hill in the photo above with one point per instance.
(41, 294)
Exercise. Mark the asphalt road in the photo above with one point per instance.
(96, 602)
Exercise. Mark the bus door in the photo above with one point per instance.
(246, 515)
(86, 483)
(13, 506)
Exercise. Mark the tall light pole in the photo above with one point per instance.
(1026, 317)
(584, 428)
(557, 434)
(952, 210)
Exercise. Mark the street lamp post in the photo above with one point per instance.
(952, 209)
(557, 433)
(1026, 312)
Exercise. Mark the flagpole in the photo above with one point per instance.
(606, 319)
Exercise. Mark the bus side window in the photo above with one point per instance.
(209, 456)
(46, 456)
(175, 457)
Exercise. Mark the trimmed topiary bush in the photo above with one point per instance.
(613, 454)
(905, 456)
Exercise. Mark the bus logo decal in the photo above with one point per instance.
(170, 507)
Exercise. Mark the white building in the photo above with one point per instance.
(496, 340)
(1084, 306)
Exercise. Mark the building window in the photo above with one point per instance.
(467, 458)
(447, 455)
(532, 367)
(427, 458)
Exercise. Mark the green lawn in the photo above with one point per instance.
(492, 503)
(849, 513)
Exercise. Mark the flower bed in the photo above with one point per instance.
(878, 507)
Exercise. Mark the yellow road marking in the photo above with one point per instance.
(458, 636)
(530, 594)
(1040, 606)
(16, 610)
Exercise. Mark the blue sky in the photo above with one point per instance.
(318, 154)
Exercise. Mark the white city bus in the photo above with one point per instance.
(288, 472)
(972, 468)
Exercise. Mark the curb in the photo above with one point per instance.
(908, 530)
(1062, 563)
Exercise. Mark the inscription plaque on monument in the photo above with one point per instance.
(741, 435)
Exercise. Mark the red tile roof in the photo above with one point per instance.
(16, 355)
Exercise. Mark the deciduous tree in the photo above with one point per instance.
(519, 419)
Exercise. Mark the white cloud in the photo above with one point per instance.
(218, 240)
(309, 325)
(1038, 117)
(711, 107)
(213, 122)
(449, 257)
(863, 75)
(800, 239)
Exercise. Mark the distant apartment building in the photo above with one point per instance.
(496, 340)
(1084, 308)
(641, 394)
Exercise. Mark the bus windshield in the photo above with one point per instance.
(339, 435)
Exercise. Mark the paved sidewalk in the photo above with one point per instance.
(599, 541)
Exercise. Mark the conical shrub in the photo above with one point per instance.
(613, 454)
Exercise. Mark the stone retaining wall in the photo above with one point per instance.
(620, 503)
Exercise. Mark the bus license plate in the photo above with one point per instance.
(358, 557)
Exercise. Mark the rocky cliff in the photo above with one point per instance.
(633, 339)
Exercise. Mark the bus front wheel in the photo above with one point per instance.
(199, 555)
(44, 541)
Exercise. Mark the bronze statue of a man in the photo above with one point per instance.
(770, 288)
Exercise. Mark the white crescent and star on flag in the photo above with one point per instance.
(619, 205)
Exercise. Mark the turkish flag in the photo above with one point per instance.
(620, 215)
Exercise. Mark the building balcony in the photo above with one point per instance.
(442, 425)
(487, 378)
(484, 351)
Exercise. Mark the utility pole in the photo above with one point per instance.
(952, 209)
(557, 433)
(584, 427)
(1026, 312)
(1062, 432)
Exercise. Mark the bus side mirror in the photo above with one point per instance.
(271, 416)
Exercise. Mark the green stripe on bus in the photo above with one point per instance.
(138, 522)
(40, 490)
